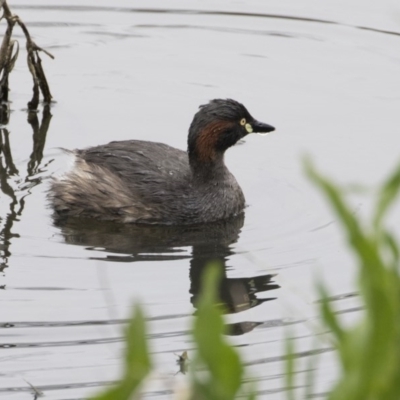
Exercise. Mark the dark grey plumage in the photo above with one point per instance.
(146, 182)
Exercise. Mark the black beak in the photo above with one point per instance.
(260, 127)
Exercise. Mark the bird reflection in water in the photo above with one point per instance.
(210, 243)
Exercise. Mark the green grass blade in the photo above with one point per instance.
(386, 197)
(137, 361)
(310, 375)
(220, 359)
(329, 316)
(370, 351)
(290, 368)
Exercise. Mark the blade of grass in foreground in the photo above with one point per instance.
(388, 194)
(137, 361)
(290, 368)
(222, 377)
(369, 352)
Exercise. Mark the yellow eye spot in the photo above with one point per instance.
(243, 121)
(249, 128)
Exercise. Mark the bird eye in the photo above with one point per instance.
(243, 121)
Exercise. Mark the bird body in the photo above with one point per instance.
(145, 182)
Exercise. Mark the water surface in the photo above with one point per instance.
(326, 78)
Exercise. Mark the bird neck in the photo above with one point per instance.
(206, 149)
(207, 170)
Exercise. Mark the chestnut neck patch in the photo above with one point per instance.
(208, 142)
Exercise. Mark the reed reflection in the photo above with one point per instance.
(12, 184)
(209, 243)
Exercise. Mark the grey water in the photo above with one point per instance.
(326, 76)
